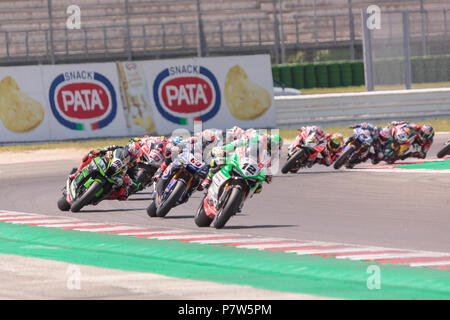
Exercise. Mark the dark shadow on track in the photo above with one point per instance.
(264, 226)
(138, 199)
(179, 217)
(112, 210)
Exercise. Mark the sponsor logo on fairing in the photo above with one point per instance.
(186, 91)
(79, 98)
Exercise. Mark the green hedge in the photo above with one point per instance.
(351, 73)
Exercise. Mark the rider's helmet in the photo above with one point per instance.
(385, 133)
(274, 141)
(208, 137)
(235, 133)
(427, 131)
(403, 134)
(336, 142)
(175, 140)
(132, 151)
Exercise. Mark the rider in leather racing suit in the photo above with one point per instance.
(197, 144)
(334, 144)
(374, 131)
(258, 142)
(422, 141)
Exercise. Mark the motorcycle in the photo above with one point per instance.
(229, 189)
(445, 150)
(308, 148)
(188, 170)
(356, 148)
(91, 185)
(146, 166)
(398, 153)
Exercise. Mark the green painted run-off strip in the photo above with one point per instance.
(442, 165)
(271, 270)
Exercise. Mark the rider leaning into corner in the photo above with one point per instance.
(122, 158)
(334, 144)
(424, 135)
(259, 145)
(196, 144)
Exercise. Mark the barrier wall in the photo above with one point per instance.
(349, 108)
(60, 102)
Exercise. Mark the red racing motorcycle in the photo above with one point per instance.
(306, 151)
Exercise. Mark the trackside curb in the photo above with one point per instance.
(269, 270)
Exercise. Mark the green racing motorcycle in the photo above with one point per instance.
(91, 185)
(230, 187)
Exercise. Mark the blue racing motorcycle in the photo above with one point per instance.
(178, 183)
(356, 148)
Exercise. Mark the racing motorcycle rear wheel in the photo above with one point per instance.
(343, 158)
(151, 209)
(201, 219)
(87, 197)
(299, 156)
(63, 205)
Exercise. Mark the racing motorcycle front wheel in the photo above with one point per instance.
(87, 197)
(229, 208)
(344, 157)
(444, 151)
(171, 200)
(298, 156)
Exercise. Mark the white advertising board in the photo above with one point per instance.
(84, 101)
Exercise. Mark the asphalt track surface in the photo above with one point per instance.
(397, 210)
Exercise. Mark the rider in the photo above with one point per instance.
(235, 133)
(374, 131)
(262, 141)
(384, 144)
(196, 144)
(424, 135)
(87, 158)
(122, 159)
(335, 143)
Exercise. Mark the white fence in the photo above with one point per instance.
(348, 108)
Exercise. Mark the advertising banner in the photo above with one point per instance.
(220, 92)
(61, 102)
(84, 101)
(24, 113)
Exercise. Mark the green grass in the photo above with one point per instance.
(83, 144)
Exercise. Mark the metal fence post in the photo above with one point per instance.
(296, 30)
(7, 43)
(259, 32)
(406, 49)
(144, 34)
(67, 41)
(105, 41)
(50, 22)
(240, 33)
(86, 50)
(221, 33)
(182, 34)
(283, 48)
(26, 44)
(127, 18)
(201, 43)
(276, 31)
(351, 26)
(367, 49)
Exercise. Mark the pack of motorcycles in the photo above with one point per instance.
(236, 181)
